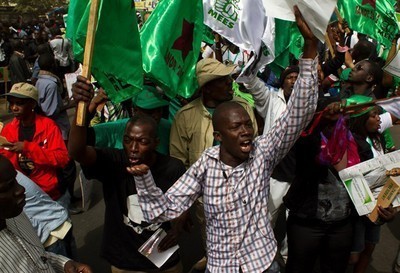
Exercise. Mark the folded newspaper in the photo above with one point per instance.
(365, 181)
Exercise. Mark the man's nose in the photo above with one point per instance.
(134, 146)
(246, 129)
(13, 107)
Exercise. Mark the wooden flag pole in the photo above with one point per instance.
(329, 44)
(340, 19)
(87, 58)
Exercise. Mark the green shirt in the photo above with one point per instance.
(110, 134)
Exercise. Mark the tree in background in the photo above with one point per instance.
(34, 6)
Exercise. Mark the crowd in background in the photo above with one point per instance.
(170, 135)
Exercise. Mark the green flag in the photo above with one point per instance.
(116, 60)
(208, 35)
(286, 46)
(171, 40)
(375, 18)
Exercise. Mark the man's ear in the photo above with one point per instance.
(217, 136)
(369, 78)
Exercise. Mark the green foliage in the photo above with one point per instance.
(34, 6)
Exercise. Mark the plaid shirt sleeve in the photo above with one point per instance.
(159, 207)
(299, 112)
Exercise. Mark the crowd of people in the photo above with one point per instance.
(236, 154)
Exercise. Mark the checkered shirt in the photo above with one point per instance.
(239, 235)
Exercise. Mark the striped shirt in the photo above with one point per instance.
(239, 235)
(22, 252)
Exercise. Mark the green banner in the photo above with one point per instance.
(375, 18)
(286, 45)
(171, 40)
(117, 60)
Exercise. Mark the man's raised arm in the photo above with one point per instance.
(82, 90)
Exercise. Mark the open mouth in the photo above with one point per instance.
(246, 146)
(133, 161)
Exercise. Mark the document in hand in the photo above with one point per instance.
(365, 181)
(150, 249)
(386, 196)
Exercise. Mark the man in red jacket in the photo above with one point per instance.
(36, 147)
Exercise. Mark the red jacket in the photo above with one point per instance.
(47, 150)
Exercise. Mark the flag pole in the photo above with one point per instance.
(329, 44)
(340, 19)
(354, 107)
(87, 58)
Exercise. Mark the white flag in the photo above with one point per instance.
(317, 13)
(391, 105)
(264, 56)
(240, 21)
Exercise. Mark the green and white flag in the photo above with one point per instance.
(316, 12)
(375, 18)
(285, 42)
(289, 44)
(245, 24)
(171, 41)
(117, 55)
(242, 22)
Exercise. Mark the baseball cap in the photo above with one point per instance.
(149, 99)
(23, 90)
(210, 69)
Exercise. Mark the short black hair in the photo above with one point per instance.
(144, 119)
(376, 71)
(220, 112)
(46, 61)
(363, 49)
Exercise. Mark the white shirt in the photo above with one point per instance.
(269, 102)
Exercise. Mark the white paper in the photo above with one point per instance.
(365, 181)
(393, 67)
(70, 79)
(150, 249)
(316, 13)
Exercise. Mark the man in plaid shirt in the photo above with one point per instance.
(233, 178)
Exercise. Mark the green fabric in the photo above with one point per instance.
(149, 99)
(375, 18)
(285, 45)
(388, 139)
(171, 41)
(110, 134)
(344, 76)
(208, 35)
(174, 106)
(359, 99)
(246, 96)
(116, 61)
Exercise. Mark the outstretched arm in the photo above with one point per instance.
(159, 207)
(302, 102)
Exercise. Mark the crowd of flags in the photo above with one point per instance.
(167, 47)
